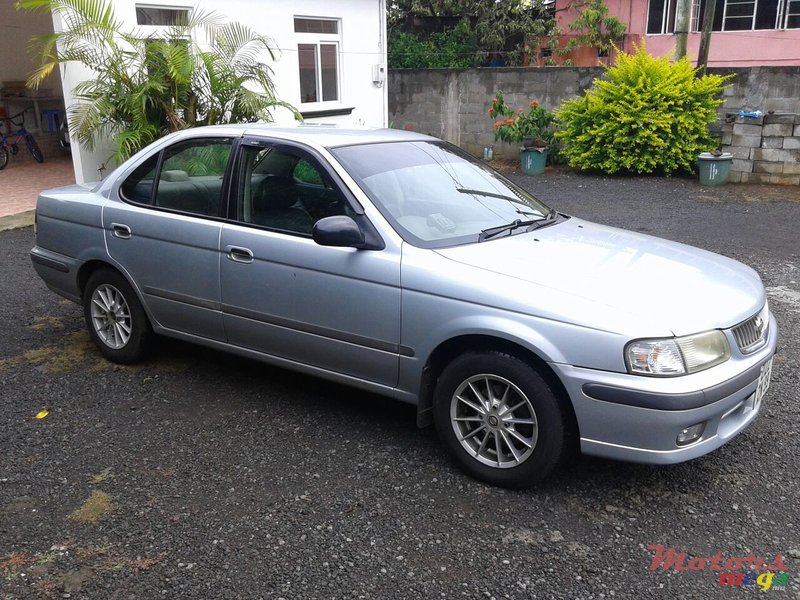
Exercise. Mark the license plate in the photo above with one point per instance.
(763, 383)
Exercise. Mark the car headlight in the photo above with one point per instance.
(668, 357)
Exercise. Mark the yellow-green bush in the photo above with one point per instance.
(646, 115)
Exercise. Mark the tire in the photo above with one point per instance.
(115, 318)
(3, 157)
(486, 399)
(36, 153)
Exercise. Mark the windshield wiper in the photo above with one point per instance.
(487, 194)
(491, 232)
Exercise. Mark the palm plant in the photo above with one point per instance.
(145, 86)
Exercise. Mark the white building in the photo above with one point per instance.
(331, 61)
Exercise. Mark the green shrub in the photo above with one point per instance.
(647, 115)
(453, 48)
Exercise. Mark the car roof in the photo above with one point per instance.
(327, 136)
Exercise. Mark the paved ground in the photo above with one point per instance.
(199, 475)
(22, 180)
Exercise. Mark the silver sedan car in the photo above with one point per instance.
(396, 263)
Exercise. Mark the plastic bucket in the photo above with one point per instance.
(533, 161)
(714, 169)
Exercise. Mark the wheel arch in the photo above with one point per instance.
(445, 352)
(90, 267)
(93, 265)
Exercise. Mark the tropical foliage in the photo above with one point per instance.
(595, 27)
(199, 72)
(507, 32)
(646, 115)
(453, 48)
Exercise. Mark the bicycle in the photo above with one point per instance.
(12, 147)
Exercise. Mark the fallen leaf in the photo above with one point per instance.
(42, 414)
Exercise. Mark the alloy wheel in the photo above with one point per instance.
(494, 421)
(111, 316)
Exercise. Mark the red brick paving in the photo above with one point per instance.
(22, 180)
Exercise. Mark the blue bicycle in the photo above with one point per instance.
(9, 144)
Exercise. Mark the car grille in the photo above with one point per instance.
(752, 334)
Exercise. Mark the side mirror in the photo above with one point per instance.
(338, 230)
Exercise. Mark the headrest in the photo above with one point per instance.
(174, 175)
(276, 191)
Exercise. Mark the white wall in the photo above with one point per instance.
(17, 27)
(16, 64)
(363, 44)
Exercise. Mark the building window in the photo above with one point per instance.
(739, 15)
(792, 17)
(318, 58)
(661, 17)
(160, 16)
(730, 15)
(316, 26)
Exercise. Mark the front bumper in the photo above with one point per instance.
(637, 419)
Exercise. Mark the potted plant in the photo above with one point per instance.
(532, 128)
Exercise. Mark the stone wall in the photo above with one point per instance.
(453, 104)
(765, 150)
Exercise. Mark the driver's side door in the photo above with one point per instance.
(332, 308)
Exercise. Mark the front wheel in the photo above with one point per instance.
(3, 157)
(499, 419)
(116, 320)
(33, 147)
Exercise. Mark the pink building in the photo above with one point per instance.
(746, 32)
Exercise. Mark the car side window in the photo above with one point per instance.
(284, 192)
(191, 176)
(189, 180)
(138, 186)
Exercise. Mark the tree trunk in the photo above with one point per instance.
(683, 11)
(705, 39)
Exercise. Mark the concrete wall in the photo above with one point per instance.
(453, 104)
(764, 149)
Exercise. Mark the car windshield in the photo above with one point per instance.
(437, 195)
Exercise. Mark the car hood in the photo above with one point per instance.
(680, 288)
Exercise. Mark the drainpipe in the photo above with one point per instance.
(383, 45)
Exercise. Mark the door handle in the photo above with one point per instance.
(239, 254)
(120, 231)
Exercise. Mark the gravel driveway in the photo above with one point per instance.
(201, 475)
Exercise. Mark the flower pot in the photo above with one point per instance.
(714, 169)
(533, 160)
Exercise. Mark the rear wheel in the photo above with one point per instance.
(3, 157)
(499, 419)
(116, 320)
(36, 153)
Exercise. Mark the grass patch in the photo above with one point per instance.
(76, 352)
(12, 564)
(97, 506)
(102, 476)
(47, 323)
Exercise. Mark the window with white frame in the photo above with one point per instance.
(318, 57)
(730, 15)
(161, 16)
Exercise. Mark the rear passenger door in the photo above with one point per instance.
(165, 233)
